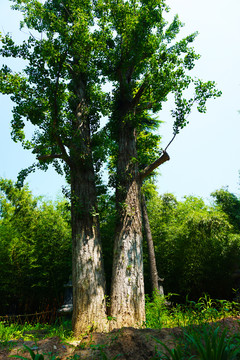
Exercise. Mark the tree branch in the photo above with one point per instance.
(64, 154)
(148, 169)
(175, 134)
(50, 157)
(57, 137)
(138, 95)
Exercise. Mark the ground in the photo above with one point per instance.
(127, 343)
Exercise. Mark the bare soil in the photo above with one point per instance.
(127, 343)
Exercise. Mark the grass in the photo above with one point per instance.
(159, 314)
(11, 332)
(203, 342)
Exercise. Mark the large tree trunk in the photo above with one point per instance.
(155, 280)
(89, 301)
(89, 305)
(127, 291)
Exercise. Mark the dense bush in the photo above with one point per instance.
(230, 204)
(196, 246)
(35, 250)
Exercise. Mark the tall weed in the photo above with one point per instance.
(212, 345)
(161, 313)
(205, 343)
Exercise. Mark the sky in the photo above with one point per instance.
(205, 156)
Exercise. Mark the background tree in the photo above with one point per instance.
(230, 204)
(35, 250)
(196, 246)
(155, 279)
(144, 68)
(59, 92)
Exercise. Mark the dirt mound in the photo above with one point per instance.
(46, 346)
(127, 343)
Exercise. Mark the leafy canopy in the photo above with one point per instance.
(74, 48)
(143, 60)
(59, 82)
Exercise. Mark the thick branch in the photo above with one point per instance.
(138, 95)
(165, 157)
(64, 155)
(50, 157)
(57, 137)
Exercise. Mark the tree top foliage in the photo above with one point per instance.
(73, 49)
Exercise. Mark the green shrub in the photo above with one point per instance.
(35, 250)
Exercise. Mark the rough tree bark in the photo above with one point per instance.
(89, 303)
(127, 288)
(127, 292)
(89, 308)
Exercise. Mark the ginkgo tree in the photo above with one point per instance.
(145, 62)
(59, 92)
(74, 47)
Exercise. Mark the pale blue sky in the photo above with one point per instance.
(206, 154)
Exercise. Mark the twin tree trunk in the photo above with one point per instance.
(127, 291)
